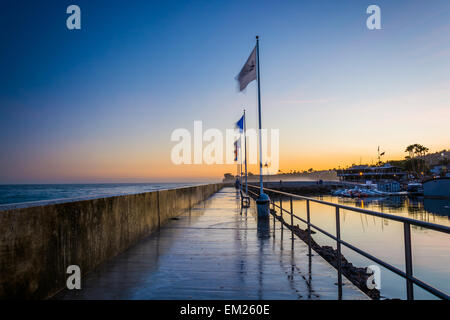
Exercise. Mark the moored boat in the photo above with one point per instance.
(366, 190)
(415, 189)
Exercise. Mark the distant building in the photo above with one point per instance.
(436, 158)
(389, 186)
(363, 173)
(440, 170)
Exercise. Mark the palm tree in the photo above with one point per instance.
(417, 150)
(421, 151)
(411, 150)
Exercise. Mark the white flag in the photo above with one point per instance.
(248, 71)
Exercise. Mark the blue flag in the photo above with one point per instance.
(240, 124)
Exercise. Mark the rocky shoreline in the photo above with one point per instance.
(357, 276)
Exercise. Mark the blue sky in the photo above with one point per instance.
(100, 103)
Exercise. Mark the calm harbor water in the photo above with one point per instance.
(14, 194)
(384, 238)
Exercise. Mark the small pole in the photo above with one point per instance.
(408, 261)
(281, 209)
(339, 258)
(245, 148)
(240, 169)
(237, 163)
(292, 220)
(274, 214)
(308, 217)
(292, 213)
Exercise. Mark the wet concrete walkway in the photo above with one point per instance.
(215, 251)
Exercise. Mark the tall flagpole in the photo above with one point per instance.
(259, 116)
(263, 201)
(245, 151)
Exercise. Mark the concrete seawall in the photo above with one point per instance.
(37, 244)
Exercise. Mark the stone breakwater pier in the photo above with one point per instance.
(186, 243)
(38, 243)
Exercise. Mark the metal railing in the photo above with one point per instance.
(407, 222)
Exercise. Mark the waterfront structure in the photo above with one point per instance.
(363, 173)
(389, 186)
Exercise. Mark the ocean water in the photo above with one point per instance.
(30, 194)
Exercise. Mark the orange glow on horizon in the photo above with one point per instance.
(144, 167)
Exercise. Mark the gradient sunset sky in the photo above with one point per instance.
(99, 104)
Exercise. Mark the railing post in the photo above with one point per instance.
(292, 220)
(274, 215)
(292, 214)
(408, 261)
(308, 218)
(339, 257)
(281, 210)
